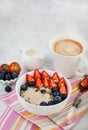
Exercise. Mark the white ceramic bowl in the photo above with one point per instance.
(8, 82)
(42, 110)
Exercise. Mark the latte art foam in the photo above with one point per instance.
(67, 47)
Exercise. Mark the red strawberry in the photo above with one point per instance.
(37, 74)
(5, 66)
(0, 68)
(55, 77)
(84, 83)
(45, 82)
(45, 74)
(14, 66)
(38, 83)
(29, 78)
(63, 88)
(51, 83)
(62, 80)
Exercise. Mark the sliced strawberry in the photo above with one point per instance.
(5, 66)
(29, 78)
(45, 82)
(63, 88)
(38, 83)
(37, 74)
(51, 83)
(45, 74)
(84, 83)
(55, 77)
(62, 80)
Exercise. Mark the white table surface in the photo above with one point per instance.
(31, 23)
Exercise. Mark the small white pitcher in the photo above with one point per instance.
(32, 58)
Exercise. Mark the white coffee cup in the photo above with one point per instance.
(32, 58)
(67, 65)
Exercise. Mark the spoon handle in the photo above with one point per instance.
(77, 100)
(73, 109)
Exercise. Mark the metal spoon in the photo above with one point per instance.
(76, 102)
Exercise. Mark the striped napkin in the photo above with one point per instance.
(20, 119)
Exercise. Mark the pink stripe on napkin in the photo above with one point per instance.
(9, 120)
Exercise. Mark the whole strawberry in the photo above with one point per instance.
(14, 66)
(5, 66)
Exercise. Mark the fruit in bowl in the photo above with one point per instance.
(43, 92)
(9, 73)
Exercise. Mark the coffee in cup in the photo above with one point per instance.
(67, 51)
(67, 47)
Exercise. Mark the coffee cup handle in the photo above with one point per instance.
(85, 62)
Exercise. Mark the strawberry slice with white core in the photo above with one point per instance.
(29, 78)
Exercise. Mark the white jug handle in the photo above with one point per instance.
(85, 62)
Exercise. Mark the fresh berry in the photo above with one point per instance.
(43, 104)
(4, 71)
(56, 93)
(54, 89)
(24, 87)
(45, 82)
(32, 84)
(84, 83)
(0, 68)
(15, 74)
(27, 84)
(29, 78)
(14, 66)
(2, 76)
(63, 96)
(51, 83)
(38, 83)
(45, 74)
(8, 89)
(51, 102)
(63, 88)
(5, 66)
(57, 99)
(62, 80)
(37, 74)
(8, 77)
(55, 77)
